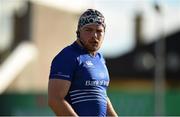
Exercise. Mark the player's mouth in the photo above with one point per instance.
(95, 43)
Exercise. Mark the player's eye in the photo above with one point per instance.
(99, 31)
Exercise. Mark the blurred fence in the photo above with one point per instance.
(125, 103)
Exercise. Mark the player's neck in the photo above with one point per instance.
(92, 53)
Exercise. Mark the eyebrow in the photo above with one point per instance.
(88, 28)
(93, 28)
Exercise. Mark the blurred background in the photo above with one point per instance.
(140, 47)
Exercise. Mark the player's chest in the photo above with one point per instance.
(93, 69)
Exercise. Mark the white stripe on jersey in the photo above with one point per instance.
(87, 95)
(77, 94)
(88, 100)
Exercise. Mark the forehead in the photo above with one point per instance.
(93, 26)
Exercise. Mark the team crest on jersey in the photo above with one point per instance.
(89, 63)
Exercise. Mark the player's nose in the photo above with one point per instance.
(94, 35)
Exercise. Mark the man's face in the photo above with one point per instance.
(92, 36)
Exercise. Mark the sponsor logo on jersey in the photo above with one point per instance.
(97, 83)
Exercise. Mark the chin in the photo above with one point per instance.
(95, 49)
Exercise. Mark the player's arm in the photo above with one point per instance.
(57, 90)
(110, 109)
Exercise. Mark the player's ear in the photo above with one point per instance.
(78, 34)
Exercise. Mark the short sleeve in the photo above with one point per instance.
(63, 66)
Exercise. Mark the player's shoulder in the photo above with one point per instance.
(68, 53)
(69, 50)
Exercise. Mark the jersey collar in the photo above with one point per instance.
(76, 45)
(82, 49)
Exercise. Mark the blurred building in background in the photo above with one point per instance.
(38, 32)
(46, 30)
(33, 32)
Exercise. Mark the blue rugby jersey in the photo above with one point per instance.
(89, 79)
